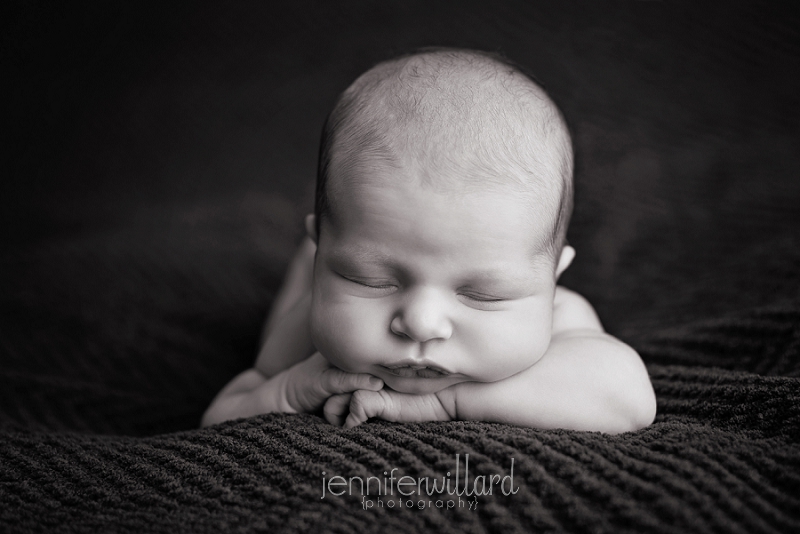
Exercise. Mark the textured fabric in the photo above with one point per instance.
(723, 457)
(158, 169)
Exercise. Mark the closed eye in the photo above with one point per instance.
(482, 298)
(374, 284)
(483, 302)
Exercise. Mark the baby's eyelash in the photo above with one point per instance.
(482, 298)
(366, 284)
(376, 286)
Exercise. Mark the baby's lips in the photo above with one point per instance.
(416, 372)
(416, 368)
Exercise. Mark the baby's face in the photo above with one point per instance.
(427, 289)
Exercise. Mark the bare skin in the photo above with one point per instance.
(290, 376)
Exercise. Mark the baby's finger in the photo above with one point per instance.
(335, 381)
(336, 408)
(363, 405)
(392, 406)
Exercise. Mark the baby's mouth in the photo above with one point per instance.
(415, 371)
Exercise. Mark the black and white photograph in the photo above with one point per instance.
(406, 266)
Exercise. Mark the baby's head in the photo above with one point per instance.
(443, 198)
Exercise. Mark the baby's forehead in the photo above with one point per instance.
(453, 158)
(451, 168)
(367, 189)
(485, 221)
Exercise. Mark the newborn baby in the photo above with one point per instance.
(426, 288)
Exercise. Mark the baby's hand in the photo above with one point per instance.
(355, 408)
(306, 386)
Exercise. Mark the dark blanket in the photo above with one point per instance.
(157, 167)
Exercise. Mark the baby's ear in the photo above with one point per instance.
(564, 261)
(311, 227)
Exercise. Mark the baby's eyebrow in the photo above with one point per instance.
(535, 271)
(498, 276)
(361, 255)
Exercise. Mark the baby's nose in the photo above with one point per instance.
(423, 317)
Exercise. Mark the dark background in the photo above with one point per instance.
(157, 162)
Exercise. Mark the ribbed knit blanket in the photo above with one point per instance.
(723, 457)
(160, 165)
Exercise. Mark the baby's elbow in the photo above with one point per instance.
(635, 400)
(223, 408)
(214, 414)
(209, 418)
(641, 410)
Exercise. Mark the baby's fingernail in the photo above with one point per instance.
(375, 382)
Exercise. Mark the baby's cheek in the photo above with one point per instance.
(323, 329)
(341, 334)
(513, 344)
(523, 352)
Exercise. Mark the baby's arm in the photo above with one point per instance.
(288, 375)
(587, 380)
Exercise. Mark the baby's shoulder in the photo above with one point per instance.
(571, 311)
